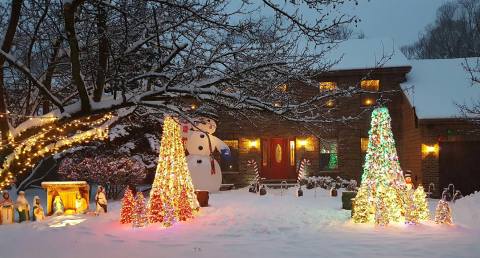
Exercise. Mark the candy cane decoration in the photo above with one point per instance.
(252, 163)
(301, 170)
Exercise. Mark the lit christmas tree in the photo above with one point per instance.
(443, 213)
(184, 210)
(421, 206)
(139, 216)
(128, 203)
(155, 206)
(382, 193)
(411, 216)
(172, 187)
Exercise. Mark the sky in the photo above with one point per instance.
(401, 20)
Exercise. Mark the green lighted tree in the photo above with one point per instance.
(382, 192)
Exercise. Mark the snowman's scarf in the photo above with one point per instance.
(212, 160)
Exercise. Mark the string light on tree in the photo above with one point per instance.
(155, 206)
(128, 205)
(422, 212)
(172, 187)
(139, 216)
(443, 213)
(49, 140)
(382, 192)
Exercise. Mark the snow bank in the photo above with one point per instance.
(466, 211)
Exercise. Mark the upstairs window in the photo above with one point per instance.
(370, 85)
(327, 86)
(282, 87)
(328, 154)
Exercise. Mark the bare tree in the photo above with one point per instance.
(454, 34)
(225, 55)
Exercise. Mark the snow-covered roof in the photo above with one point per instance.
(357, 54)
(435, 86)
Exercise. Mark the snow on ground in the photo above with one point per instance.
(242, 224)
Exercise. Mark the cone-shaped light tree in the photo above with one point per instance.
(128, 204)
(382, 193)
(421, 205)
(140, 216)
(172, 197)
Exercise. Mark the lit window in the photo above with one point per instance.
(326, 86)
(364, 144)
(370, 85)
(292, 153)
(230, 162)
(265, 152)
(328, 154)
(282, 87)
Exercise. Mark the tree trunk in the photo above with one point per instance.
(49, 73)
(6, 46)
(69, 16)
(102, 53)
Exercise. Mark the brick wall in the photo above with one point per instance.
(350, 156)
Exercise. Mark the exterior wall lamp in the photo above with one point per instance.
(430, 149)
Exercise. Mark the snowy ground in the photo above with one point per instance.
(241, 224)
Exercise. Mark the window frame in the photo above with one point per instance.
(235, 162)
(330, 141)
(368, 85)
(332, 85)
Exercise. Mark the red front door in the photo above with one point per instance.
(278, 158)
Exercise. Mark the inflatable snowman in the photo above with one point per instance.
(200, 144)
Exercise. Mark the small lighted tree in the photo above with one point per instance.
(422, 212)
(172, 182)
(128, 204)
(382, 192)
(140, 215)
(155, 206)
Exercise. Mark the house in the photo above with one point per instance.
(339, 150)
(438, 145)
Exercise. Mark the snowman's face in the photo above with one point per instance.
(207, 125)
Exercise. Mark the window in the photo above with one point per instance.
(326, 86)
(282, 87)
(230, 163)
(328, 154)
(370, 85)
(265, 153)
(292, 153)
(364, 144)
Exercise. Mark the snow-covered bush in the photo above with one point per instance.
(115, 173)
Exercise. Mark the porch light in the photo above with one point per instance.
(302, 143)
(193, 106)
(430, 149)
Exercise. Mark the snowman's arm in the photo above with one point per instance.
(219, 144)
